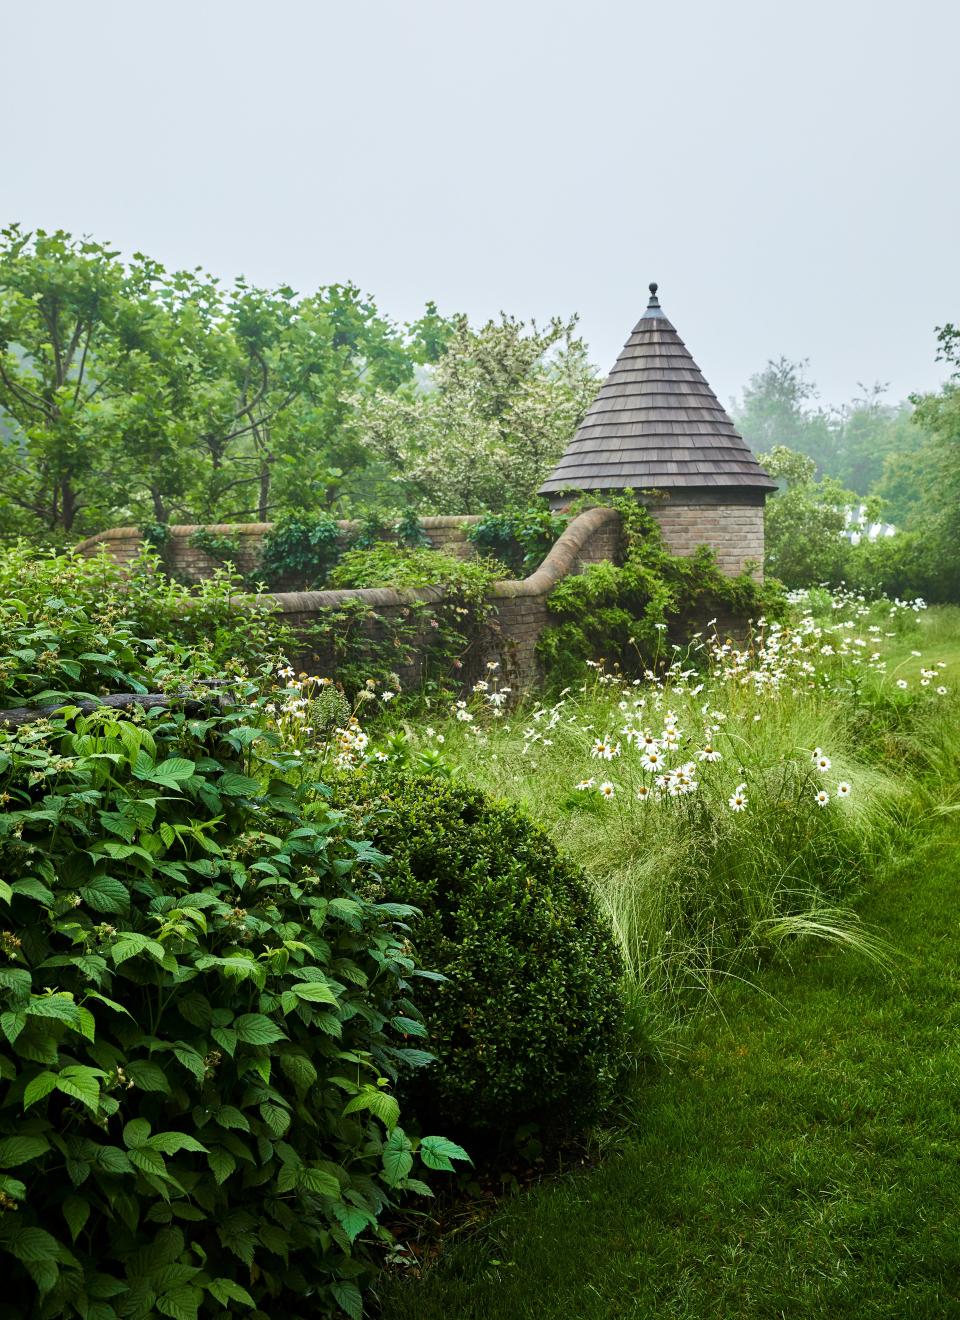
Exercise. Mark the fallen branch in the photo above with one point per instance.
(13, 719)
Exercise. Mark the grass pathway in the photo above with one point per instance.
(803, 1161)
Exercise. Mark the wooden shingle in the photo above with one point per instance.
(656, 423)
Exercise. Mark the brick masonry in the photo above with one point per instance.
(519, 615)
(189, 563)
(734, 531)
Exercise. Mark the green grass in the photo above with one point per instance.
(802, 1159)
(798, 1155)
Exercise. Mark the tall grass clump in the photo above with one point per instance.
(729, 804)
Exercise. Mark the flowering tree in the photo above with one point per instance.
(486, 424)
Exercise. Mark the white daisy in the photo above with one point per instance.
(822, 798)
(607, 790)
(843, 789)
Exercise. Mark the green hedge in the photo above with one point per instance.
(529, 1025)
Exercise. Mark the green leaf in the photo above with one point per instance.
(18, 1150)
(415, 1185)
(299, 1069)
(11, 1024)
(170, 1143)
(33, 1245)
(38, 1087)
(397, 1157)
(229, 1116)
(191, 1060)
(225, 1290)
(148, 1160)
(318, 1181)
(60, 1006)
(315, 992)
(136, 1133)
(235, 785)
(348, 1298)
(437, 1152)
(256, 1029)
(226, 1038)
(181, 1303)
(353, 1220)
(104, 894)
(130, 944)
(222, 1163)
(17, 980)
(31, 887)
(378, 1102)
(173, 770)
(81, 1084)
(76, 1211)
(148, 1076)
(276, 1118)
(113, 1160)
(195, 1008)
(409, 1026)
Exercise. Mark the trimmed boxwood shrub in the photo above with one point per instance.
(529, 1025)
(200, 1019)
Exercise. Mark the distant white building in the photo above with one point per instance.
(857, 527)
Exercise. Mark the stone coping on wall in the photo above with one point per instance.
(437, 522)
(562, 560)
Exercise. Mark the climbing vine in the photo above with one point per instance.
(623, 614)
(522, 539)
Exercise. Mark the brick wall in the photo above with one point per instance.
(188, 563)
(509, 635)
(733, 530)
(519, 611)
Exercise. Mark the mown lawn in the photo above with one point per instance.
(803, 1159)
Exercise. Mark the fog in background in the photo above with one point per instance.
(788, 173)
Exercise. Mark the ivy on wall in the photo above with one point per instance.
(623, 613)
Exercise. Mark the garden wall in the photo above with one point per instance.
(507, 636)
(189, 563)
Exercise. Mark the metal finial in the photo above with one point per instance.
(653, 306)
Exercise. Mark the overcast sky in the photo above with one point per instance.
(787, 172)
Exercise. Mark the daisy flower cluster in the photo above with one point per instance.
(668, 764)
(822, 765)
(492, 695)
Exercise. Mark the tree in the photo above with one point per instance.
(69, 348)
(804, 520)
(489, 421)
(935, 476)
(130, 393)
(776, 411)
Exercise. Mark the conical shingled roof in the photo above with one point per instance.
(656, 423)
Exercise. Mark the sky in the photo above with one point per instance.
(788, 173)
